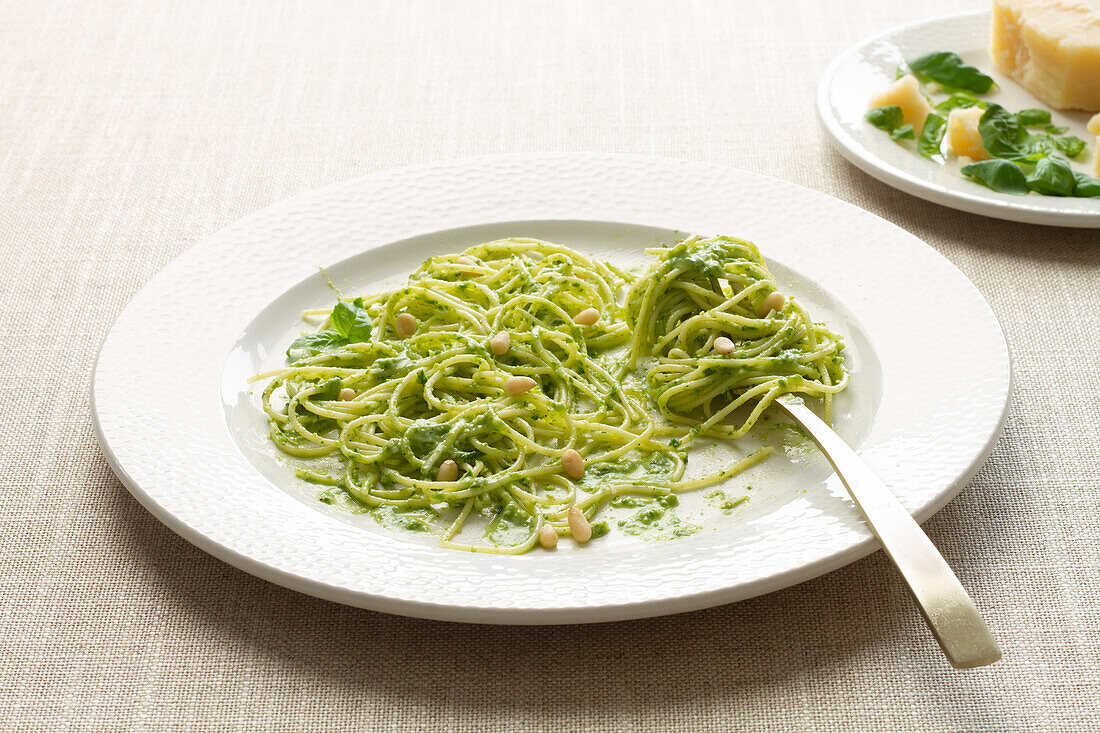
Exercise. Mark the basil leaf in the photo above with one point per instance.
(928, 144)
(1052, 177)
(1036, 147)
(1055, 130)
(1033, 117)
(352, 321)
(905, 132)
(960, 100)
(949, 69)
(1002, 134)
(1071, 146)
(313, 344)
(1086, 186)
(885, 118)
(999, 175)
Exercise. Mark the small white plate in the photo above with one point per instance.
(869, 66)
(181, 427)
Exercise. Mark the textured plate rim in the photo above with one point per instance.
(861, 157)
(517, 615)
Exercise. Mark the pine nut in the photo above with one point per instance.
(579, 526)
(548, 536)
(405, 325)
(572, 464)
(500, 343)
(464, 260)
(518, 385)
(448, 471)
(587, 317)
(774, 302)
(347, 393)
(724, 345)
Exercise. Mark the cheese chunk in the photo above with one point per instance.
(905, 93)
(963, 137)
(1094, 128)
(1051, 48)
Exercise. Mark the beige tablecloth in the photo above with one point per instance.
(132, 130)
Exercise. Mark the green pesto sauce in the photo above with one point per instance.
(423, 436)
(628, 501)
(510, 526)
(324, 471)
(655, 466)
(790, 439)
(723, 502)
(390, 367)
(656, 523)
(338, 497)
(710, 259)
(412, 520)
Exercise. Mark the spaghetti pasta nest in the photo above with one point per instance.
(705, 289)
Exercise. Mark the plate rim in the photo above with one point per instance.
(860, 156)
(514, 615)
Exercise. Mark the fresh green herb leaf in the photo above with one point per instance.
(1071, 146)
(1036, 147)
(313, 344)
(951, 71)
(885, 118)
(905, 132)
(1052, 177)
(928, 144)
(1002, 134)
(1033, 117)
(960, 100)
(899, 72)
(999, 175)
(352, 321)
(1086, 186)
(1055, 129)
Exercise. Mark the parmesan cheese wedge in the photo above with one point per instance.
(1051, 48)
(963, 138)
(1094, 128)
(905, 93)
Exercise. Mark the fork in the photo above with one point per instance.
(946, 606)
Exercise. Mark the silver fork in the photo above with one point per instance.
(958, 626)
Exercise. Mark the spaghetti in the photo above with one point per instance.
(462, 391)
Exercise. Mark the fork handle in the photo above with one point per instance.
(958, 626)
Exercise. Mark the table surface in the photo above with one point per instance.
(133, 130)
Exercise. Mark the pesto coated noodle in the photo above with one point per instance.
(463, 390)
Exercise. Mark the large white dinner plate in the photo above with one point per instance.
(930, 383)
(869, 66)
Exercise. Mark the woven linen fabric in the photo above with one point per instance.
(131, 130)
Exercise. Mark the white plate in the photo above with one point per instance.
(180, 427)
(869, 66)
